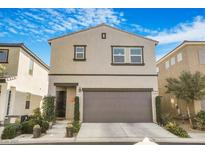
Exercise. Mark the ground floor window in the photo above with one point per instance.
(28, 99)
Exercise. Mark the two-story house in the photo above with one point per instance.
(112, 71)
(188, 56)
(24, 82)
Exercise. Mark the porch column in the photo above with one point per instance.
(71, 93)
(154, 94)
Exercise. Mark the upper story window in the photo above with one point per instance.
(79, 52)
(179, 57)
(30, 71)
(136, 55)
(173, 61)
(201, 56)
(127, 55)
(167, 64)
(157, 69)
(118, 55)
(4, 55)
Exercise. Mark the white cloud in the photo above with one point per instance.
(42, 22)
(34, 16)
(139, 28)
(2, 34)
(12, 30)
(194, 30)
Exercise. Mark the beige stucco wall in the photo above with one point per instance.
(98, 53)
(190, 63)
(36, 84)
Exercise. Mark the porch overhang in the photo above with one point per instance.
(4, 78)
(65, 84)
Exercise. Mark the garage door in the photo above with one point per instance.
(117, 105)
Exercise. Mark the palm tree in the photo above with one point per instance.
(189, 87)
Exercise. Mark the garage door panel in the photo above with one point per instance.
(117, 107)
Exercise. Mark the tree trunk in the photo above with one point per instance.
(189, 116)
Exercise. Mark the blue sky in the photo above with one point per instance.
(35, 26)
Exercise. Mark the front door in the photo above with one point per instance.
(60, 104)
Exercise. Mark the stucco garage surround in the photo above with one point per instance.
(117, 105)
(112, 82)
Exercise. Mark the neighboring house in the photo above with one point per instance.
(112, 71)
(25, 81)
(188, 56)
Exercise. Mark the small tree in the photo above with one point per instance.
(77, 109)
(48, 108)
(189, 87)
(158, 109)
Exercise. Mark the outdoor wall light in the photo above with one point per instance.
(172, 100)
(79, 89)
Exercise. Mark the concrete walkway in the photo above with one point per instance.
(54, 135)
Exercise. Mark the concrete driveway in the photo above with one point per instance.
(124, 132)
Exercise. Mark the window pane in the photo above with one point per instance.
(27, 105)
(135, 51)
(172, 60)
(119, 59)
(118, 51)
(167, 65)
(79, 49)
(31, 67)
(136, 59)
(80, 55)
(179, 57)
(3, 56)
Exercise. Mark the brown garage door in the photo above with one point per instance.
(117, 105)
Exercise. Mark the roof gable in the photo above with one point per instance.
(67, 35)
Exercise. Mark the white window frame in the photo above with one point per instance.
(167, 65)
(179, 57)
(173, 61)
(135, 55)
(81, 52)
(113, 55)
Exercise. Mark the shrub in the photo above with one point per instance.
(49, 108)
(158, 109)
(175, 129)
(200, 120)
(44, 126)
(11, 131)
(166, 118)
(27, 126)
(76, 109)
(76, 126)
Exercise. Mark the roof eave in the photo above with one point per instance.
(185, 42)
